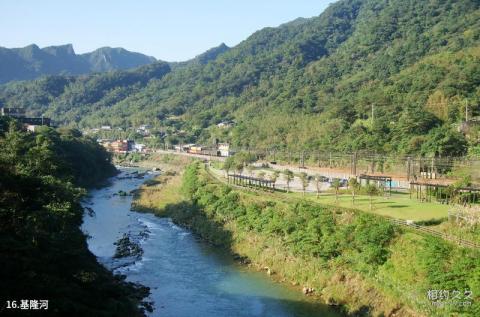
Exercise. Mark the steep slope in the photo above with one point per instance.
(366, 74)
(203, 58)
(31, 62)
(66, 97)
(108, 59)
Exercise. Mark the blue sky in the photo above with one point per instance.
(168, 30)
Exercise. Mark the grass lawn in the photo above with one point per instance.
(399, 205)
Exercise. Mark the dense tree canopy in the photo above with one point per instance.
(43, 252)
(365, 74)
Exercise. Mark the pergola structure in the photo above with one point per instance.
(425, 190)
(248, 181)
(380, 179)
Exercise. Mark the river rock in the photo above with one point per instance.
(241, 259)
(90, 211)
(308, 290)
(269, 271)
(126, 248)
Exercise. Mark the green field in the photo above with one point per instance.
(399, 205)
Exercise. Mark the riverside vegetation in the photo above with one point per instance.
(43, 252)
(356, 260)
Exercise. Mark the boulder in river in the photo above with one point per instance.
(90, 211)
(126, 247)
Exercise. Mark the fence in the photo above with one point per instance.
(407, 223)
(423, 229)
(399, 167)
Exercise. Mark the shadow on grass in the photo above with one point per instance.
(381, 202)
(431, 222)
(397, 206)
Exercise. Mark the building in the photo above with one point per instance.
(30, 124)
(13, 112)
(119, 146)
(223, 149)
(226, 124)
(183, 147)
(31, 127)
(35, 121)
(138, 147)
(144, 130)
(195, 150)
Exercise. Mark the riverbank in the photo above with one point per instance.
(356, 261)
(155, 194)
(44, 254)
(186, 275)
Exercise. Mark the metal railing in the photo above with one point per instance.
(400, 222)
(423, 229)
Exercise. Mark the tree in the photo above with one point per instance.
(40, 210)
(443, 141)
(228, 165)
(353, 184)
(288, 174)
(318, 181)
(305, 181)
(458, 197)
(274, 176)
(371, 190)
(336, 185)
(245, 158)
(239, 167)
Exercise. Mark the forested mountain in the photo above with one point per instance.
(385, 76)
(31, 61)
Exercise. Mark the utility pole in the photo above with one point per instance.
(373, 113)
(409, 167)
(466, 110)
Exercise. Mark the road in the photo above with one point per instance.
(296, 184)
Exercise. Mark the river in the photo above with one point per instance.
(187, 277)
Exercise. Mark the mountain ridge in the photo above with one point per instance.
(31, 61)
(309, 84)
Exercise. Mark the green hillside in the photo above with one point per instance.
(385, 76)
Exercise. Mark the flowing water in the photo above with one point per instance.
(187, 277)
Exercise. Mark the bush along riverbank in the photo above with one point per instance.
(43, 252)
(358, 261)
